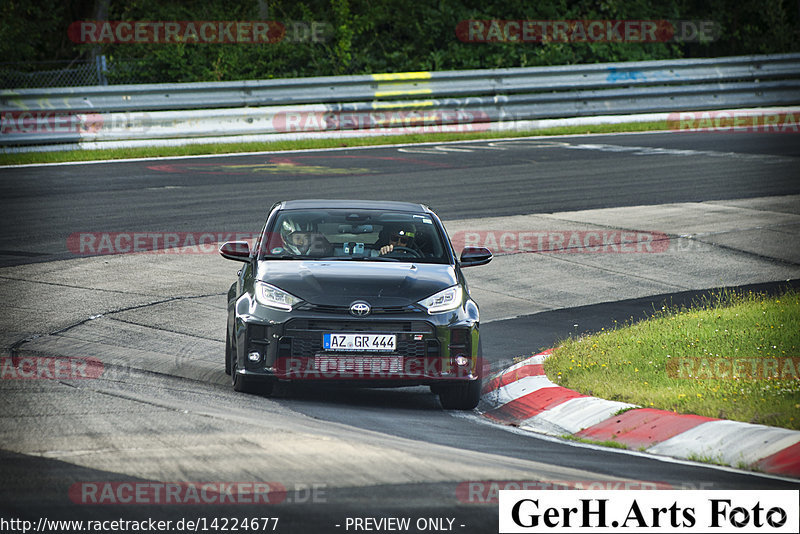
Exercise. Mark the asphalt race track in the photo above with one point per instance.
(43, 206)
(727, 206)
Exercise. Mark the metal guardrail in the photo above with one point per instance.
(171, 111)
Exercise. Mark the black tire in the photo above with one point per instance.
(227, 352)
(240, 382)
(464, 396)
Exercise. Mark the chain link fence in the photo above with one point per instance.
(74, 73)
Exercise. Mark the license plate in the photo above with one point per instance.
(359, 342)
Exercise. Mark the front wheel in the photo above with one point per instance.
(239, 382)
(463, 396)
(228, 352)
(242, 383)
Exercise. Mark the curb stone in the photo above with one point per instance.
(523, 396)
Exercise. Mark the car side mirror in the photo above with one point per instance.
(235, 250)
(472, 256)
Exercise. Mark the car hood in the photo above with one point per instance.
(339, 283)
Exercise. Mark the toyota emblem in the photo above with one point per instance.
(359, 308)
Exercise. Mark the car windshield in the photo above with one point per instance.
(341, 234)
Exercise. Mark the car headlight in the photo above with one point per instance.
(445, 300)
(273, 297)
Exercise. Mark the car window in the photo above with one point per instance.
(353, 235)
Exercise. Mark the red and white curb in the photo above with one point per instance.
(524, 397)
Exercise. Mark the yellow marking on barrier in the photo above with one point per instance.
(44, 103)
(405, 76)
(402, 84)
(15, 99)
(404, 92)
(412, 105)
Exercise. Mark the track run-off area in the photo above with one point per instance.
(587, 230)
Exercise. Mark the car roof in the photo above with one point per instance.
(383, 205)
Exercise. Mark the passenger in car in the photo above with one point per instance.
(312, 244)
(304, 239)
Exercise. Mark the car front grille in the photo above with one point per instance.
(345, 310)
(323, 326)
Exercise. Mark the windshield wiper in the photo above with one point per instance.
(283, 257)
(357, 258)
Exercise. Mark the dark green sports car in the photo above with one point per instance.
(364, 293)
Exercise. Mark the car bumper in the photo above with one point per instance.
(436, 349)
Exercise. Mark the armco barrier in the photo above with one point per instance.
(381, 101)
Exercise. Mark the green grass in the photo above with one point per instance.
(603, 443)
(226, 148)
(682, 360)
(718, 460)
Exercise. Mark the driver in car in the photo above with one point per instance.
(403, 237)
